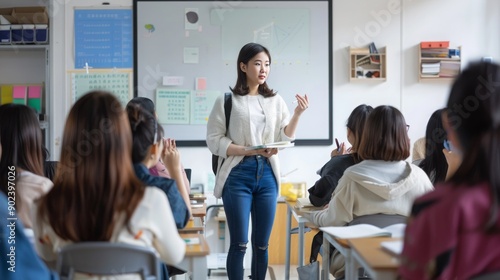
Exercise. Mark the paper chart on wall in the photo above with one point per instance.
(173, 105)
(117, 82)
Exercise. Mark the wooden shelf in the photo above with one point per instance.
(361, 67)
(439, 60)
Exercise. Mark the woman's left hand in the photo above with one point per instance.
(269, 152)
(302, 103)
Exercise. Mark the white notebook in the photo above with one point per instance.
(279, 145)
(393, 247)
(355, 231)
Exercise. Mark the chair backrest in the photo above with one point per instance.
(107, 258)
(379, 220)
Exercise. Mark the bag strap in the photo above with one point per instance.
(228, 105)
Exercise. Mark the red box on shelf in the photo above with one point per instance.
(435, 44)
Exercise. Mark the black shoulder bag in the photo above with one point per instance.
(228, 105)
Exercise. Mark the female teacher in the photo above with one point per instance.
(247, 180)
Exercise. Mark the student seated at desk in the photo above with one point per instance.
(148, 146)
(453, 232)
(159, 169)
(321, 193)
(22, 158)
(383, 183)
(96, 195)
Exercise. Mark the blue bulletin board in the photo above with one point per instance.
(103, 38)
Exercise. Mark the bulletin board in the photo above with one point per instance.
(185, 57)
(118, 82)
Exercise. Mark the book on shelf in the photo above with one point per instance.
(449, 69)
(374, 59)
(362, 60)
(364, 230)
(279, 145)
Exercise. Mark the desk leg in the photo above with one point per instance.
(199, 268)
(326, 259)
(288, 242)
(301, 244)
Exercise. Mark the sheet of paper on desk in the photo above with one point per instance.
(279, 145)
(393, 247)
(192, 241)
(355, 231)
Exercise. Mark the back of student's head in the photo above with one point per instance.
(385, 136)
(145, 131)
(21, 139)
(473, 113)
(356, 123)
(434, 163)
(94, 180)
(143, 102)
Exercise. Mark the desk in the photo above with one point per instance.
(301, 221)
(376, 262)
(199, 211)
(344, 249)
(195, 260)
(191, 228)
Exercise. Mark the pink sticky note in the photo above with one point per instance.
(201, 83)
(19, 92)
(35, 92)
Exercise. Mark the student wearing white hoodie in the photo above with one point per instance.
(383, 183)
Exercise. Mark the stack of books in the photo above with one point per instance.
(374, 59)
(431, 69)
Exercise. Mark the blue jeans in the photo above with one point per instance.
(251, 188)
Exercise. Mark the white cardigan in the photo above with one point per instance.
(239, 132)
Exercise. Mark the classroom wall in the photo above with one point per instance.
(398, 25)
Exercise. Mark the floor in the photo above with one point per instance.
(274, 272)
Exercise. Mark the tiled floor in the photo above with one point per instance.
(274, 272)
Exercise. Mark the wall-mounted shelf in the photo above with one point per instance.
(366, 66)
(435, 64)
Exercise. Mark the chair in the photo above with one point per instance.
(107, 258)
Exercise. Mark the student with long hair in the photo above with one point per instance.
(22, 158)
(96, 195)
(159, 169)
(247, 180)
(321, 192)
(383, 183)
(148, 146)
(434, 163)
(453, 232)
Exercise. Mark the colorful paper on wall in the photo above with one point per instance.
(19, 94)
(35, 97)
(6, 94)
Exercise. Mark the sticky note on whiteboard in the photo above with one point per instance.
(173, 80)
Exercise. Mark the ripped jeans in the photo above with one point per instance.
(251, 188)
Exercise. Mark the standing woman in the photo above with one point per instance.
(247, 180)
(21, 140)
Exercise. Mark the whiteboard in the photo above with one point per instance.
(191, 47)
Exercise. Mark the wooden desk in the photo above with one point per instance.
(192, 228)
(195, 260)
(199, 211)
(378, 263)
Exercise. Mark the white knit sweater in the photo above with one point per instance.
(239, 132)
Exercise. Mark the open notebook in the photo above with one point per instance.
(393, 247)
(364, 230)
(279, 145)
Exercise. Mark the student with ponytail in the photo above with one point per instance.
(454, 232)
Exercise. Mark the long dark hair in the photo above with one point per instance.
(143, 126)
(473, 112)
(95, 182)
(434, 163)
(385, 136)
(247, 52)
(356, 123)
(21, 140)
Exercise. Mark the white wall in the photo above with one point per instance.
(398, 25)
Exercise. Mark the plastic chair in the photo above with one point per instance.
(107, 258)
